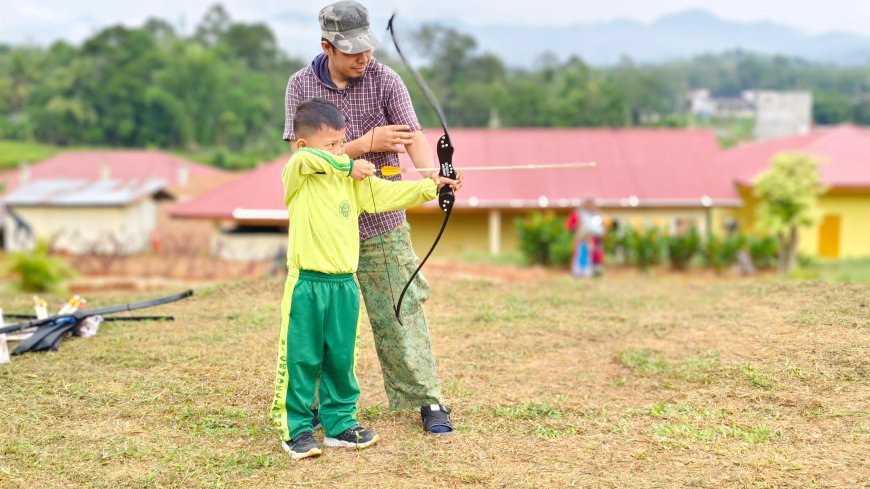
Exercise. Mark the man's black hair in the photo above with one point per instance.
(315, 114)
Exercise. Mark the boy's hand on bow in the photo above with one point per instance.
(442, 181)
(362, 169)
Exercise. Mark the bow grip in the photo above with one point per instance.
(446, 198)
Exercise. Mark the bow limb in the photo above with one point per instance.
(446, 198)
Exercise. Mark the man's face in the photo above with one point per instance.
(349, 66)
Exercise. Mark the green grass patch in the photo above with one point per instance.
(756, 377)
(855, 270)
(505, 258)
(701, 369)
(758, 433)
(528, 411)
(644, 360)
(13, 153)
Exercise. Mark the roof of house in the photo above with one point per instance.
(83, 193)
(127, 164)
(260, 189)
(843, 150)
(635, 167)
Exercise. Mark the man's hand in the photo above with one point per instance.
(392, 139)
(362, 169)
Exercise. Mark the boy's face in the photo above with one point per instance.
(327, 139)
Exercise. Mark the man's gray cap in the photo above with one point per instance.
(345, 24)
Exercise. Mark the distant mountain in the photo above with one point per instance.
(676, 36)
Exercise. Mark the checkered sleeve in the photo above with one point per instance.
(397, 101)
(292, 99)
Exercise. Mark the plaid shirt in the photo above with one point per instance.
(377, 98)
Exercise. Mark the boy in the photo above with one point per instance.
(325, 191)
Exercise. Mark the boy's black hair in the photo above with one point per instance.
(315, 114)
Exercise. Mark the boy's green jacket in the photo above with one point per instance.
(324, 203)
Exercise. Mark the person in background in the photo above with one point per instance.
(587, 226)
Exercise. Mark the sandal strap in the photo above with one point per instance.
(436, 415)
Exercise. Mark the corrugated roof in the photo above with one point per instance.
(844, 151)
(83, 193)
(636, 167)
(128, 164)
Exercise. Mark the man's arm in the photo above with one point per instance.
(420, 152)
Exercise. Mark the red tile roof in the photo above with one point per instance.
(121, 165)
(260, 189)
(648, 167)
(844, 151)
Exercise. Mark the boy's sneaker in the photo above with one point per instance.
(355, 437)
(302, 446)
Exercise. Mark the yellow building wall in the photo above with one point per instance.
(468, 229)
(854, 212)
(466, 233)
(853, 208)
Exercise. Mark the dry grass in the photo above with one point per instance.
(623, 382)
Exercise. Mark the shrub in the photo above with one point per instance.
(721, 253)
(644, 248)
(614, 246)
(764, 251)
(683, 247)
(544, 239)
(39, 272)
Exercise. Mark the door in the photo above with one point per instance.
(829, 237)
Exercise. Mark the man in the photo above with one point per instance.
(380, 124)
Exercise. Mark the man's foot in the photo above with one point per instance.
(355, 437)
(436, 419)
(302, 446)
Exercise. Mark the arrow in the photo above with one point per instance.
(389, 171)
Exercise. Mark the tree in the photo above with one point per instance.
(788, 193)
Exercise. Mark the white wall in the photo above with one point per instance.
(81, 230)
(248, 246)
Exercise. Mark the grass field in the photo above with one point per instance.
(628, 381)
(13, 153)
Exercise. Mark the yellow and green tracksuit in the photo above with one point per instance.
(320, 308)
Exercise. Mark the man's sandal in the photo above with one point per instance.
(436, 419)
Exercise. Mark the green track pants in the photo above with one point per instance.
(319, 327)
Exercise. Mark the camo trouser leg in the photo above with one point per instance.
(405, 351)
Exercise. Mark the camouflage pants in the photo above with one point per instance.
(405, 352)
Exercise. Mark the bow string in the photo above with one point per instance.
(444, 150)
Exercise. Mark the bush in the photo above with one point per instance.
(39, 272)
(544, 239)
(644, 248)
(683, 247)
(614, 246)
(721, 253)
(764, 251)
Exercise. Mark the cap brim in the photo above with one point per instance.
(357, 44)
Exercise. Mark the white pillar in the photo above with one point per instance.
(494, 232)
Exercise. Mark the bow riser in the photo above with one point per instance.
(446, 198)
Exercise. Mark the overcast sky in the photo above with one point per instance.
(42, 21)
